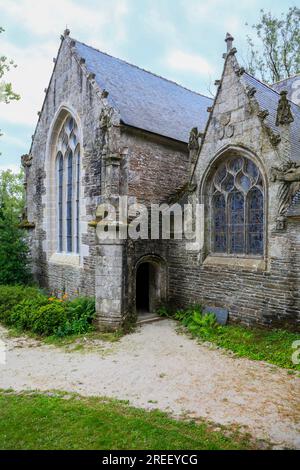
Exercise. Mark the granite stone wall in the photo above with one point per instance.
(261, 290)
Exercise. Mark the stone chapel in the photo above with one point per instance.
(109, 129)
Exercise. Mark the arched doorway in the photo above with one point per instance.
(150, 285)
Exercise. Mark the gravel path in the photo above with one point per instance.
(156, 367)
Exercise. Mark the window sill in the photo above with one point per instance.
(65, 259)
(250, 264)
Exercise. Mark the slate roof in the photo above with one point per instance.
(268, 99)
(292, 86)
(145, 100)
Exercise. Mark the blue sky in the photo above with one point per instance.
(182, 40)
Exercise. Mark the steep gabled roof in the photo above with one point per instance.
(145, 100)
(268, 98)
(291, 85)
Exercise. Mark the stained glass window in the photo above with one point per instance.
(60, 176)
(69, 202)
(256, 222)
(77, 156)
(237, 222)
(237, 208)
(219, 223)
(68, 187)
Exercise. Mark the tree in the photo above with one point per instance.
(6, 92)
(276, 54)
(14, 261)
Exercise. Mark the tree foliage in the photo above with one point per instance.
(6, 91)
(14, 261)
(274, 49)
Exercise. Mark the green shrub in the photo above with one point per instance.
(10, 296)
(49, 318)
(22, 316)
(163, 311)
(27, 308)
(80, 315)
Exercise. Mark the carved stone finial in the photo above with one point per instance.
(251, 91)
(263, 114)
(82, 60)
(284, 113)
(66, 32)
(26, 160)
(217, 82)
(229, 40)
(104, 94)
(194, 139)
(91, 76)
(240, 71)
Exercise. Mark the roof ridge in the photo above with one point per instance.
(262, 83)
(271, 89)
(288, 78)
(142, 69)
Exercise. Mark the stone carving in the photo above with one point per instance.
(284, 113)
(221, 132)
(223, 127)
(225, 119)
(251, 91)
(194, 139)
(230, 131)
(24, 221)
(26, 160)
(289, 177)
(263, 114)
(274, 138)
(106, 118)
(240, 71)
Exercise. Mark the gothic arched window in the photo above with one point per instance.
(237, 203)
(68, 187)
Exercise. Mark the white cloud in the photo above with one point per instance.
(184, 61)
(101, 24)
(13, 167)
(51, 16)
(29, 80)
(14, 141)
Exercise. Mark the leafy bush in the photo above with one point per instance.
(10, 296)
(27, 308)
(49, 318)
(163, 311)
(80, 315)
(23, 314)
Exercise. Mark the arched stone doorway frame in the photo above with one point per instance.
(158, 281)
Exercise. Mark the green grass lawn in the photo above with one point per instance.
(41, 421)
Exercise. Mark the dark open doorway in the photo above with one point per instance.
(143, 288)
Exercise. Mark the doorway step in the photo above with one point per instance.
(144, 318)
